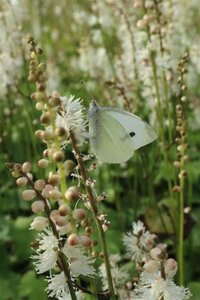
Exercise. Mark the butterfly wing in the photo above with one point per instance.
(108, 138)
(140, 132)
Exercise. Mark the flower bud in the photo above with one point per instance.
(39, 184)
(79, 214)
(26, 167)
(55, 194)
(54, 179)
(58, 156)
(43, 163)
(54, 215)
(176, 189)
(177, 164)
(39, 106)
(21, 181)
(85, 241)
(141, 24)
(39, 223)
(64, 210)
(152, 266)
(38, 133)
(155, 253)
(72, 194)
(46, 190)
(37, 206)
(55, 94)
(28, 195)
(61, 221)
(73, 239)
(60, 132)
(45, 118)
(171, 268)
(69, 166)
(46, 135)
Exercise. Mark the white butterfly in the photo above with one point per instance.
(115, 134)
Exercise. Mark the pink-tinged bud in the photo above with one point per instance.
(61, 221)
(162, 247)
(45, 118)
(21, 181)
(171, 268)
(39, 184)
(64, 210)
(72, 194)
(73, 239)
(69, 166)
(79, 214)
(140, 24)
(177, 164)
(151, 266)
(46, 190)
(58, 156)
(38, 134)
(55, 194)
(64, 229)
(149, 241)
(26, 167)
(28, 195)
(105, 227)
(37, 206)
(48, 153)
(43, 163)
(138, 4)
(39, 106)
(39, 223)
(155, 253)
(46, 135)
(85, 241)
(54, 215)
(54, 179)
(55, 94)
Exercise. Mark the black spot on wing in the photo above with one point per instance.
(132, 133)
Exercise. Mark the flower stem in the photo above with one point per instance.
(61, 260)
(95, 212)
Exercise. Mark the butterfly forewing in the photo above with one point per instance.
(140, 132)
(109, 140)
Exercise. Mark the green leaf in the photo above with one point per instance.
(194, 288)
(32, 287)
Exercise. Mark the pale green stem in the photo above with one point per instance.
(95, 212)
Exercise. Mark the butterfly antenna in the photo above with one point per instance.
(86, 90)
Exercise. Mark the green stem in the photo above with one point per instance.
(93, 289)
(95, 212)
(181, 233)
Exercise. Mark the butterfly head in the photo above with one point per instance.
(94, 107)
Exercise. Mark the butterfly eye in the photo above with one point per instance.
(132, 133)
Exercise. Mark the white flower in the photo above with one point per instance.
(79, 263)
(154, 287)
(46, 254)
(11, 60)
(119, 276)
(139, 242)
(138, 228)
(57, 287)
(72, 117)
